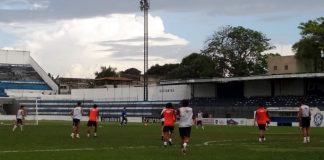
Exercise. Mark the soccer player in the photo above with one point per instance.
(199, 120)
(124, 117)
(19, 118)
(169, 119)
(262, 117)
(185, 114)
(76, 114)
(304, 116)
(93, 120)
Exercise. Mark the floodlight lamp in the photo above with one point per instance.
(144, 5)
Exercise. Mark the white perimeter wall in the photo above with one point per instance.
(170, 92)
(27, 93)
(257, 88)
(14, 57)
(204, 90)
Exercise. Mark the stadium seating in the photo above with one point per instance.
(25, 86)
(14, 76)
(278, 101)
(13, 72)
(107, 108)
(244, 107)
(216, 107)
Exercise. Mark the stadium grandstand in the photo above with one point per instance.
(21, 77)
(24, 82)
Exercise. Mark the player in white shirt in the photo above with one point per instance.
(185, 114)
(76, 114)
(19, 118)
(304, 117)
(199, 119)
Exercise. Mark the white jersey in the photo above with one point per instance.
(77, 112)
(305, 111)
(20, 114)
(199, 116)
(185, 117)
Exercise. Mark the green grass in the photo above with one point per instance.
(51, 140)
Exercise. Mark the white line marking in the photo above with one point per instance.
(48, 150)
(218, 141)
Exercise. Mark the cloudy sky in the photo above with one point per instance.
(73, 38)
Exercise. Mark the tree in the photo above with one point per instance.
(194, 66)
(131, 71)
(106, 72)
(309, 47)
(237, 51)
(158, 70)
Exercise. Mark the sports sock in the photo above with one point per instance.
(305, 139)
(14, 128)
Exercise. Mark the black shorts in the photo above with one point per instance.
(185, 132)
(162, 123)
(199, 122)
(168, 129)
(305, 122)
(76, 122)
(262, 126)
(19, 121)
(92, 123)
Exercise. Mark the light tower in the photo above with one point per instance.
(145, 5)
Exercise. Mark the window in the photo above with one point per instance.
(275, 68)
(63, 87)
(286, 67)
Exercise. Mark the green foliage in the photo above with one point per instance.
(194, 66)
(106, 72)
(131, 71)
(158, 70)
(236, 51)
(312, 42)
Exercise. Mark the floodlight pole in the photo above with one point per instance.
(144, 5)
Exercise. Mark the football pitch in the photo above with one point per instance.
(51, 140)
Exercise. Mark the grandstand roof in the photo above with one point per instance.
(249, 78)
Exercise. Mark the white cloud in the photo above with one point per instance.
(282, 49)
(73, 48)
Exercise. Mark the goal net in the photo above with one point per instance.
(8, 112)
